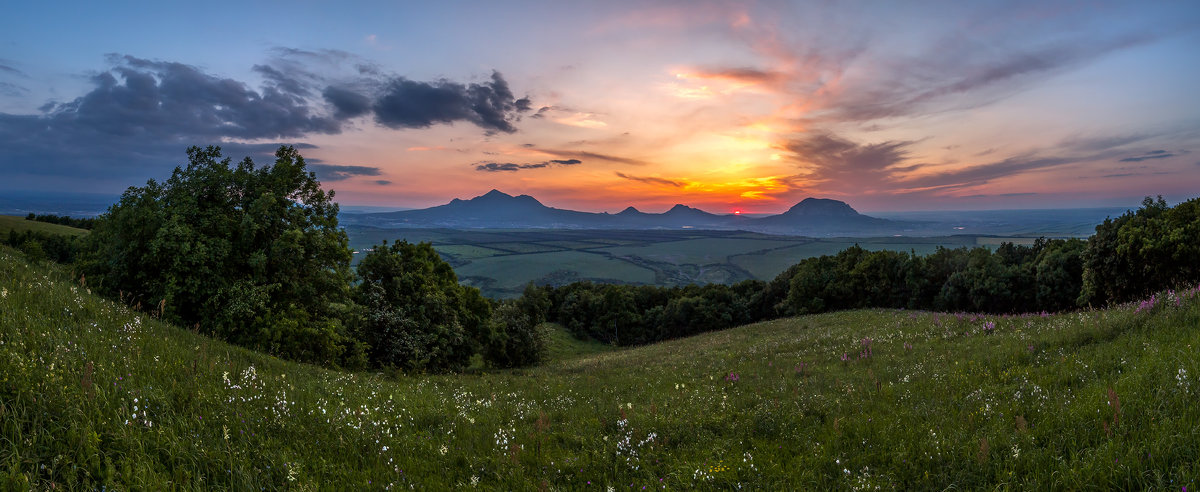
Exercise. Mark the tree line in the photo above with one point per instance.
(78, 222)
(253, 255)
(1132, 256)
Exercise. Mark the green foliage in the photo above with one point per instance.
(249, 254)
(1011, 279)
(40, 245)
(417, 315)
(518, 341)
(1140, 252)
(95, 396)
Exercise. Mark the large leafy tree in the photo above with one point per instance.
(250, 254)
(1143, 251)
(417, 315)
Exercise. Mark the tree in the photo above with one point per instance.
(417, 315)
(518, 341)
(249, 254)
(1143, 251)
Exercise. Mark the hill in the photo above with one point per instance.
(499, 210)
(20, 224)
(93, 395)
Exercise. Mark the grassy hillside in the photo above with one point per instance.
(20, 224)
(92, 394)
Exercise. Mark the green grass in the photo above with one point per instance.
(93, 395)
(20, 224)
(561, 345)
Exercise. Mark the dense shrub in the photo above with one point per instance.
(518, 340)
(417, 315)
(38, 245)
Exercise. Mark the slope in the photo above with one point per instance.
(92, 394)
(21, 224)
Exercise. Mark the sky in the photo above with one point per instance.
(725, 106)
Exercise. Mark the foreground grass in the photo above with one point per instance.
(21, 224)
(92, 395)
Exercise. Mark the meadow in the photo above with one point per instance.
(95, 395)
(501, 262)
(20, 224)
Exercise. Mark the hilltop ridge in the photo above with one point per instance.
(496, 209)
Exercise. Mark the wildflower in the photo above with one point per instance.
(442, 449)
(989, 327)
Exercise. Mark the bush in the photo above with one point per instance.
(519, 342)
(417, 315)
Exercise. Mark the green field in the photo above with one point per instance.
(501, 262)
(21, 224)
(510, 273)
(93, 395)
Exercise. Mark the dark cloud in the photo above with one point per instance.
(503, 166)
(347, 103)
(140, 114)
(330, 172)
(650, 180)
(541, 112)
(509, 166)
(407, 103)
(578, 154)
(1154, 154)
(382, 182)
(167, 99)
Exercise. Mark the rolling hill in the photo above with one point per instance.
(498, 210)
(94, 395)
(20, 224)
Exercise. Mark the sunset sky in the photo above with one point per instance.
(599, 105)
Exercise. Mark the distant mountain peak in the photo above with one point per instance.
(495, 194)
(827, 207)
(630, 210)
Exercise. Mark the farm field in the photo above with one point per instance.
(20, 224)
(502, 262)
(97, 396)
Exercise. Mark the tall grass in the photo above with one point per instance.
(94, 395)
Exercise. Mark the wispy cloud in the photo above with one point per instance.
(580, 154)
(331, 172)
(650, 180)
(509, 166)
(1154, 154)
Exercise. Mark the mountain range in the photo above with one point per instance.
(499, 210)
